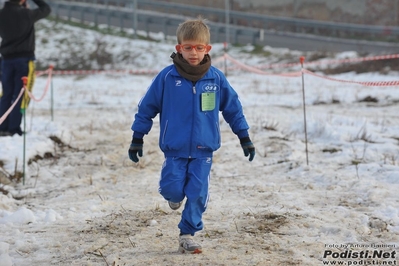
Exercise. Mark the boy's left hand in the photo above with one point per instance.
(136, 148)
(248, 148)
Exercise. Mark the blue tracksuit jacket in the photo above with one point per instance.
(189, 113)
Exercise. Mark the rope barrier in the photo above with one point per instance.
(254, 69)
(306, 71)
(92, 72)
(12, 106)
(364, 83)
(50, 72)
(332, 61)
(23, 89)
(258, 71)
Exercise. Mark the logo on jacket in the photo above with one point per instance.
(178, 82)
(209, 87)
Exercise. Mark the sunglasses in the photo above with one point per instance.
(189, 47)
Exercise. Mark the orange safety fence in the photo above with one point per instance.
(12, 106)
(257, 70)
(49, 71)
(254, 69)
(25, 90)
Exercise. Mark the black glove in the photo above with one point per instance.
(248, 147)
(136, 148)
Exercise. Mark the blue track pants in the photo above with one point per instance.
(183, 177)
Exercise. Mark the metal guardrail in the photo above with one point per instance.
(116, 15)
(282, 32)
(265, 22)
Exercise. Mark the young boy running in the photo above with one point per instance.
(188, 95)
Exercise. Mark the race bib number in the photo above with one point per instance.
(208, 101)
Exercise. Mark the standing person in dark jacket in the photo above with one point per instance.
(1, 60)
(18, 52)
(189, 95)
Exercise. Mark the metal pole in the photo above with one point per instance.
(225, 59)
(226, 44)
(302, 59)
(227, 9)
(135, 18)
(23, 111)
(96, 14)
(396, 13)
(296, 8)
(52, 101)
(24, 151)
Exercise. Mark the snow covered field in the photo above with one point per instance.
(85, 203)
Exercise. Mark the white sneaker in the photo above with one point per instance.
(187, 245)
(175, 205)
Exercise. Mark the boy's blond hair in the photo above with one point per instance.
(194, 30)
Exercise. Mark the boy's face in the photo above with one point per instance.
(192, 51)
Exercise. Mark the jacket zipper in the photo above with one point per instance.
(192, 125)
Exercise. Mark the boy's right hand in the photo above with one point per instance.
(136, 148)
(248, 148)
